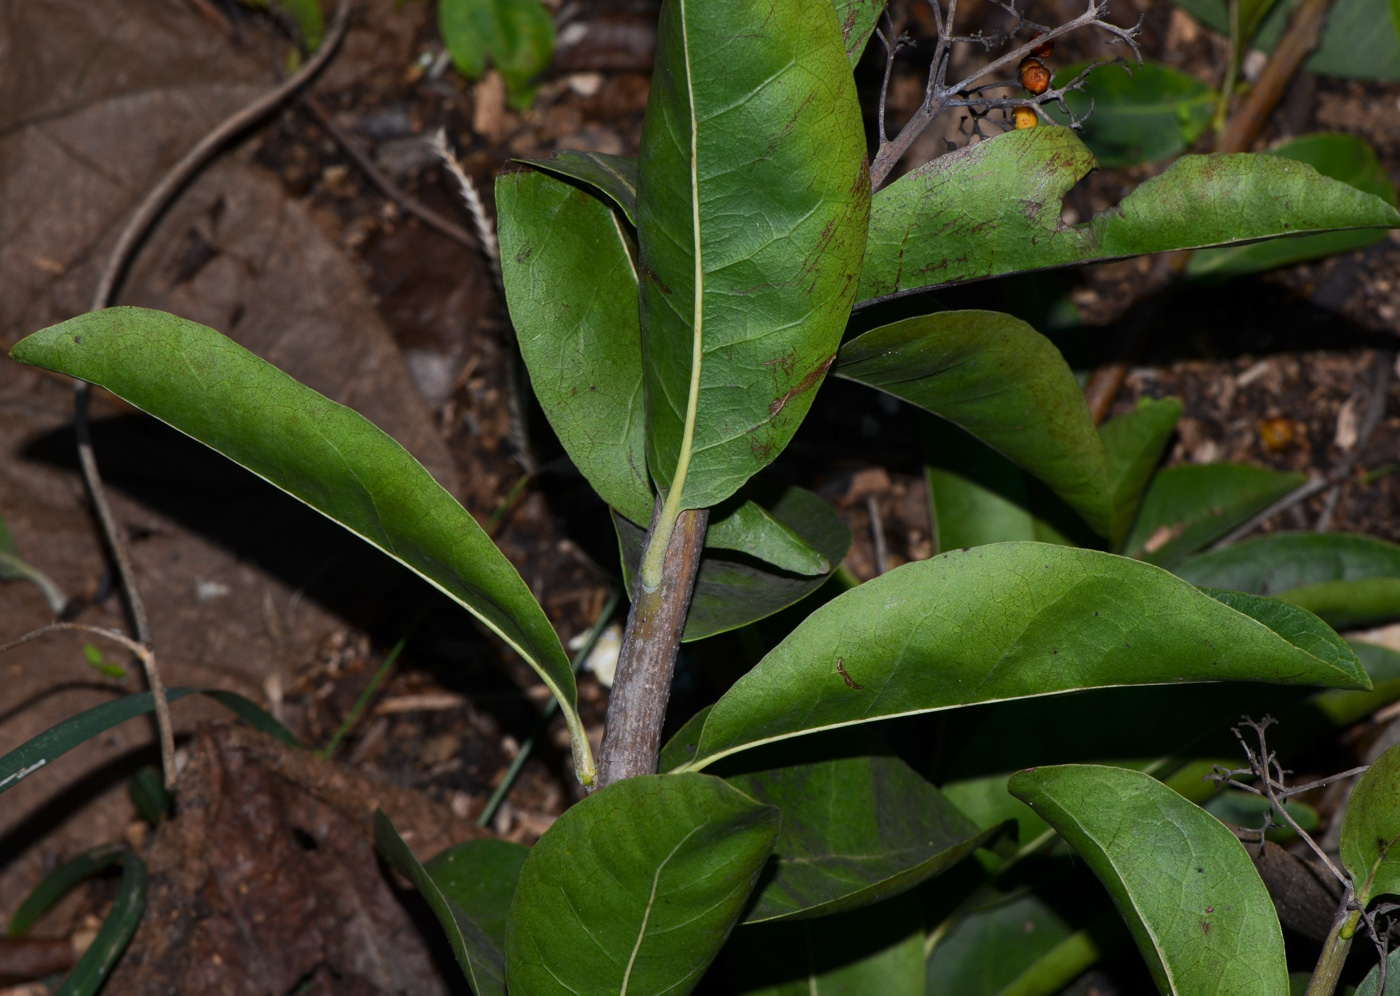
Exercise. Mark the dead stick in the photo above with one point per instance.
(407, 204)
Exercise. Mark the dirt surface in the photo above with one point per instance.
(285, 244)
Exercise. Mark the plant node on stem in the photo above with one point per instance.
(647, 661)
(970, 92)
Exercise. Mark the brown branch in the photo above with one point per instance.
(939, 95)
(1300, 39)
(647, 661)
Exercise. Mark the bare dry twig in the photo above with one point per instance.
(971, 91)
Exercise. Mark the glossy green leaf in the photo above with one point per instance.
(57, 740)
(735, 590)
(969, 514)
(1133, 446)
(13, 567)
(1348, 580)
(1189, 506)
(977, 496)
(1371, 829)
(479, 877)
(1002, 381)
(1185, 886)
(1347, 158)
(1011, 620)
(858, 19)
(516, 35)
(994, 208)
(613, 176)
(681, 747)
(116, 931)
(1383, 666)
(1355, 42)
(1140, 115)
(878, 951)
(59, 882)
(567, 264)
(635, 888)
(854, 830)
(753, 196)
(1371, 985)
(477, 952)
(750, 528)
(997, 945)
(320, 452)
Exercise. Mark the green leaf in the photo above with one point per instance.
(1355, 42)
(1189, 506)
(1011, 620)
(1140, 115)
(1371, 828)
(1002, 381)
(878, 951)
(854, 830)
(479, 877)
(1133, 446)
(977, 496)
(994, 208)
(681, 747)
(1250, 811)
(970, 514)
(310, 21)
(59, 882)
(1347, 158)
(477, 952)
(13, 567)
(1345, 708)
(1350, 581)
(997, 945)
(113, 936)
(858, 19)
(733, 591)
(615, 177)
(57, 740)
(517, 35)
(1370, 986)
(635, 888)
(319, 452)
(753, 196)
(748, 527)
(1185, 886)
(571, 283)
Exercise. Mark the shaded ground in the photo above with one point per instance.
(285, 245)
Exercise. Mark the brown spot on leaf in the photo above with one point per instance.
(850, 682)
(806, 384)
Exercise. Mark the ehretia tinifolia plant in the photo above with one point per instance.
(678, 314)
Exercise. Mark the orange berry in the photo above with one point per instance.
(1276, 434)
(1024, 118)
(1034, 76)
(1044, 49)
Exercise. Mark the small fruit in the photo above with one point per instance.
(1024, 118)
(1044, 49)
(1276, 434)
(1034, 76)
